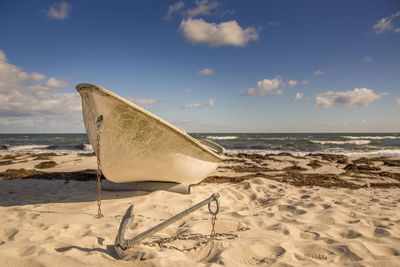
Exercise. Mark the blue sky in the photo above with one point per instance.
(206, 66)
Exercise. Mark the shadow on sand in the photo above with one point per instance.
(45, 188)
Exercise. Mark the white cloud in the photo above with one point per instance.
(59, 10)
(38, 102)
(292, 83)
(51, 84)
(305, 82)
(387, 24)
(188, 91)
(206, 71)
(298, 96)
(266, 86)
(173, 9)
(211, 102)
(142, 101)
(37, 76)
(203, 7)
(367, 59)
(319, 72)
(198, 31)
(398, 101)
(359, 97)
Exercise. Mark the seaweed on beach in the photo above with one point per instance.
(383, 185)
(233, 160)
(92, 154)
(391, 162)
(351, 167)
(249, 156)
(6, 162)
(34, 174)
(10, 156)
(316, 179)
(294, 168)
(393, 175)
(18, 173)
(232, 179)
(315, 164)
(46, 164)
(44, 156)
(363, 160)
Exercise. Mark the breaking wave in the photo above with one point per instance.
(372, 137)
(222, 137)
(352, 142)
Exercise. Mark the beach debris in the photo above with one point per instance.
(44, 156)
(121, 244)
(315, 164)
(46, 165)
(6, 162)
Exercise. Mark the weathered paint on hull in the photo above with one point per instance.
(136, 145)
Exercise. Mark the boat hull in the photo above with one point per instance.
(136, 145)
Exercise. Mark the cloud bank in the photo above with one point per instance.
(359, 97)
(24, 97)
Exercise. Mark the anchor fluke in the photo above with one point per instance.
(126, 221)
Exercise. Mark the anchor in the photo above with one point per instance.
(121, 244)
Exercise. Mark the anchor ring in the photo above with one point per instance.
(217, 208)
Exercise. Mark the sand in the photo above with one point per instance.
(351, 219)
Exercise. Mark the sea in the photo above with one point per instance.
(349, 144)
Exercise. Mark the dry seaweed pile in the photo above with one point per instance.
(303, 171)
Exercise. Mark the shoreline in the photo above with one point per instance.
(326, 170)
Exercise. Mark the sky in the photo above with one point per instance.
(204, 65)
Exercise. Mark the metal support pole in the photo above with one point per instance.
(121, 244)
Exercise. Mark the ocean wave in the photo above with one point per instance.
(222, 137)
(352, 142)
(61, 148)
(372, 137)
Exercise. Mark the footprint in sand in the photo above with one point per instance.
(318, 252)
(350, 234)
(346, 254)
(380, 232)
(310, 235)
(11, 233)
(255, 254)
(279, 227)
(291, 209)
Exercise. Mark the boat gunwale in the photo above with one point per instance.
(83, 86)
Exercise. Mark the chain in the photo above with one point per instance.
(202, 239)
(213, 219)
(99, 214)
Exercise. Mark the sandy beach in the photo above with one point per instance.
(278, 210)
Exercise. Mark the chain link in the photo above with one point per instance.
(99, 214)
(203, 240)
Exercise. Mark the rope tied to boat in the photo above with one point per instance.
(99, 121)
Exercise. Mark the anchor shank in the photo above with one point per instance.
(137, 239)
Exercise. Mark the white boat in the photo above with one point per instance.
(136, 145)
